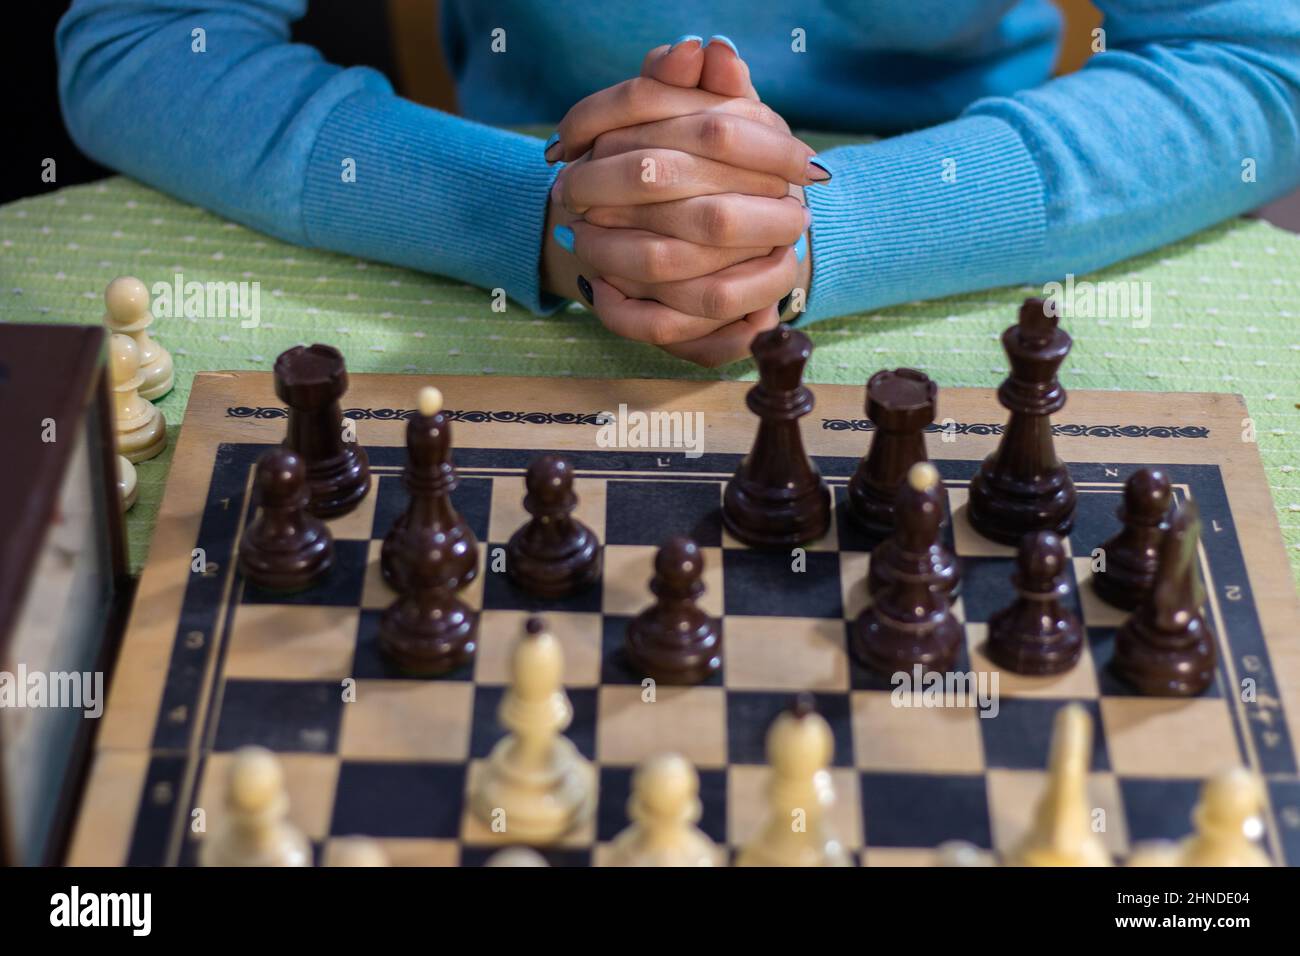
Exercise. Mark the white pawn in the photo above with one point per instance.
(140, 429)
(664, 807)
(1226, 821)
(127, 484)
(800, 795)
(961, 853)
(357, 851)
(535, 787)
(255, 829)
(516, 856)
(127, 301)
(1062, 833)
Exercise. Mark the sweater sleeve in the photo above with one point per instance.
(210, 101)
(1191, 115)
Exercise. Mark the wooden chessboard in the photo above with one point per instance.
(209, 665)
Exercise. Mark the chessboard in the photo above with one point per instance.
(209, 664)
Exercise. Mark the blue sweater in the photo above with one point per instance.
(1006, 176)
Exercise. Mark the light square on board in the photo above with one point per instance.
(376, 595)
(1014, 796)
(508, 514)
(854, 566)
(691, 721)
(579, 636)
(480, 833)
(748, 806)
(310, 780)
(1096, 612)
(785, 653)
(286, 642)
(629, 568)
(968, 541)
(1079, 682)
(402, 851)
(914, 739)
(1169, 737)
(407, 720)
(357, 524)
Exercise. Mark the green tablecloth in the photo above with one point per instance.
(1226, 318)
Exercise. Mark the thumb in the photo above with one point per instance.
(724, 72)
(676, 65)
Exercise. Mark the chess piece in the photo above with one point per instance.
(1166, 648)
(1036, 633)
(1062, 833)
(1227, 820)
(358, 851)
(900, 403)
(960, 853)
(664, 808)
(916, 544)
(516, 856)
(127, 303)
(910, 622)
(673, 641)
(535, 786)
(310, 380)
(430, 521)
(554, 554)
(1133, 554)
(799, 749)
(284, 548)
(1023, 486)
(777, 498)
(428, 631)
(255, 829)
(128, 486)
(140, 430)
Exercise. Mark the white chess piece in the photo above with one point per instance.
(1062, 833)
(140, 429)
(800, 795)
(664, 807)
(254, 829)
(127, 302)
(961, 853)
(534, 786)
(516, 856)
(357, 851)
(127, 484)
(1227, 821)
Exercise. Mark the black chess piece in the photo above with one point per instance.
(916, 546)
(900, 403)
(673, 641)
(1023, 487)
(284, 548)
(777, 498)
(428, 630)
(1167, 648)
(1133, 554)
(430, 478)
(1037, 633)
(310, 380)
(554, 554)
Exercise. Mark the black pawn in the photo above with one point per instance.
(284, 548)
(1023, 487)
(428, 630)
(1167, 648)
(777, 498)
(900, 403)
(910, 622)
(1037, 633)
(916, 546)
(310, 380)
(673, 641)
(554, 554)
(430, 478)
(1133, 554)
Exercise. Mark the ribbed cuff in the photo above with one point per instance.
(433, 192)
(949, 209)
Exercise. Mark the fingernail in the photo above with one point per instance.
(564, 236)
(719, 38)
(686, 38)
(817, 172)
(801, 248)
(585, 288)
(807, 218)
(780, 309)
(552, 151)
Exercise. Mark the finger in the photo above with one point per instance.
(729, 343)
(658, 175)
(647, 257)
(729, 293)
(724, 72)
(733, 140)
(643, 100)
(676, 65)
(729, 220)
(644, 320)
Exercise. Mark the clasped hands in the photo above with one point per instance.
(679, 216)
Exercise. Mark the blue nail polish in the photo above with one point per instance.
(555, 138)
(686, 38)
(721, 39)
(564, 236)
(822, 166)
(801, 248)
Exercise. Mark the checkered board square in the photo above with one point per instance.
(396, 762)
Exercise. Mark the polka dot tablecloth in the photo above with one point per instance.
(1226, 317)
